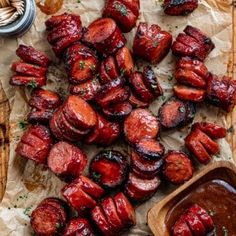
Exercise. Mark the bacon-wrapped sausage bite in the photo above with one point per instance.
(194, 43)
(124, 12)
(221, 92)
(179, 7)
(151, 43)
(105, 36)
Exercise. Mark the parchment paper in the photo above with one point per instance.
(27, 183)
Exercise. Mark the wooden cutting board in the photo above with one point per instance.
(5, 113)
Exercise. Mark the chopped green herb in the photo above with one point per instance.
(107, 68)
(32, 84)
(78, 1)
(82, 92)
(122, 72)
(81, 65)
(230, 130)
(163, 98)
(27, 211)
(225, 231)
(121, 8)
(155, 44)
(96, 176)
(23, 124)
(182, 109)
(154, 86)
(110, 155)
(170, 77)
(211, 213)
(58, 225)
(92, 67)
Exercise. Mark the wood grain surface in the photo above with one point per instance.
(5, 113)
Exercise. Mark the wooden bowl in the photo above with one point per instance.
(219, 170)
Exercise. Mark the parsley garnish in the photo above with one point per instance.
(155, 44)
(121, 8)
(81, 65)
(163, 98)
(96, 176)
(170, 77)
(225, 231)
(211, 213)
(23, 124)
(32, 84)
(27, 211)
(182, 109)
(78, 1)
(58, 225)
(230, 130)
(92, 67)
(122, 72)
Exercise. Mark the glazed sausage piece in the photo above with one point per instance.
(189, 94)
(151, 43)
(35, 144)
(118, 111)
(39, 116)
(81, 194)
(203, 216)
(66, 160)
(104, 35)
(201, 145)
(44, 99)
(221, 92)
(112, 93)
(27, 69)
(79, 113)
(213, 130)
(99, 218)
(195, 224)
(30, 81)
(193, 43)
(109, 208)
(139, 87)
(46, 220)
(125, 210)
(78, 227)
(136, 102)
(143, 167)
(31, 55)
(109, 168)
(181, 228)
(179, 7)
(140, 124)
(139, 189)
(54, 21)
(87, 90)
(104, 133)
(108, 70)
(177, 167)
(150, 148)
(191, 72)
(121, 12)
(125, 61)
(151, 81)
(174, 113)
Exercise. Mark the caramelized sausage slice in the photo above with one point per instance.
(151, 43)
(39, 116)
(125, 210)
(122, 14)
(87, 90)
(118, 111)
(99, 218)
(179, 7)
(125, 61)
(104, 133)
(173, 113)
(136, 102)
(141, 90)
(26, 69)
(140, 124)
(66, 160)
(151, 81)
(203, 216)
(108, 168)
(143, 167)
(79, 113)
(46, 220)
(78, 227)
(104, 35)
(181, 228)
(213, 130)
(31, 55)
(111, 214)
(177, 167)
(150, 148)
(54, 21)
(189, 94)
(44, 99)
(30, 81)
(139, 189)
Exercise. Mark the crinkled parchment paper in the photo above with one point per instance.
(27, 183)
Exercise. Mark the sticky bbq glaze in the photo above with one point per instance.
(218, 198)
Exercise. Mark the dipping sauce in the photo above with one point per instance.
(218, 198)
